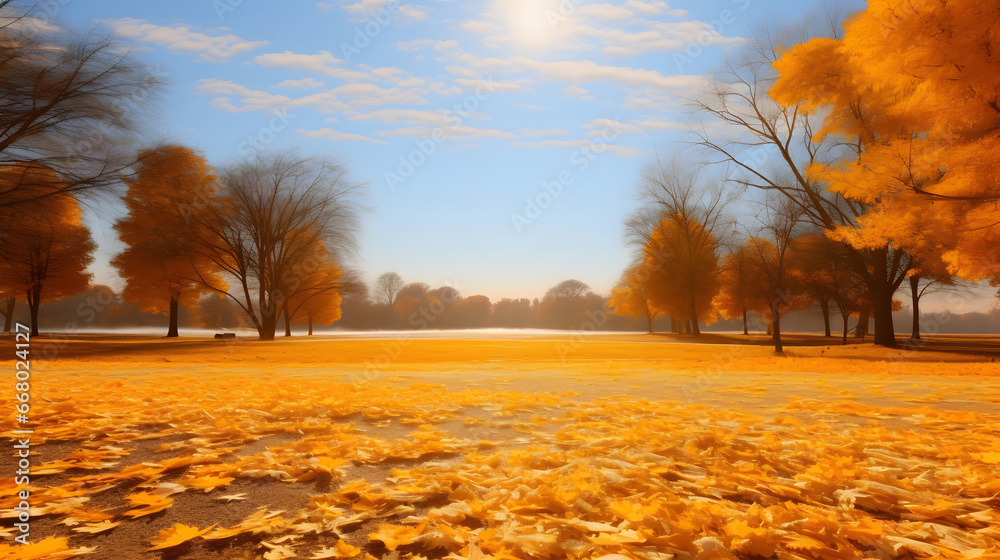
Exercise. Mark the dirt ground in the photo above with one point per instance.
(516, 446)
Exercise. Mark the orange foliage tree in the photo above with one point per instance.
(912, 87)
(739, 286)
(160, 263)
(312, 290)
(682, 270)
(47, 248)
(629, 299)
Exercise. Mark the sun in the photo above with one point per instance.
(532, 23)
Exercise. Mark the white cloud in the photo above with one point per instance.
(478, 27)
(593, 145)
(578, 92)
(365, 8)
(330, 134)
(304, 83)
(542, 132)
(183, 38)
(323, 6)
(427, 43)
(605, 11)
(460, 132)
(415, 116)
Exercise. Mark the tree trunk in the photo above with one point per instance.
(34, 302)
(776, 320)
(649, 323)
(847, 318)
(881, 289)
(694, 319)
(288, 324)
(172, 329)
(8, 321)
(862, 329)
(310, 324)
(268, 324)
(915, 296)
(745, 330)
(824, 305)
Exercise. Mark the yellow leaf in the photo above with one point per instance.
(96, 527)
(393, 536)
(51, 548)
(178, 534)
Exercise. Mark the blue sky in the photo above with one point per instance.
(488, 100)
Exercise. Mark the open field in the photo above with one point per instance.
(518, 446)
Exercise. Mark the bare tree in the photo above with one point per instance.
(273, 210)
(387, 287)
(72, 104)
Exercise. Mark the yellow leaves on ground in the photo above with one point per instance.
(615, 478)
(51, 548)
(147, 504)
(177, 535)
(394, 536)
(340, 550)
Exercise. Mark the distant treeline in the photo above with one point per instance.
(100, 308)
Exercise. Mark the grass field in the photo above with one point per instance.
(604, 445)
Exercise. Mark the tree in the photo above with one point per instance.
(313, 287)
(629, 299)
(929, 120)
(513, 313)
(473, 312)
(161, 263)
(387, 287)
(682, 270)
(272, 210)
(73, 105)
(771, 259)
(568, 305)
(45, 256)
(739, 284)
(781, 129)
(7, 303)
(676, 233)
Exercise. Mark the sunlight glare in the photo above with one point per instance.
(532, 23)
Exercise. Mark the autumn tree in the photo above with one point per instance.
(771, 256)
(45, 257)
(775, 140)
(739, 285)
(629, 299)
(73, 105)
(272, 210)
(161, 263)
(312, 289)
(677, 234)
(914, 85)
